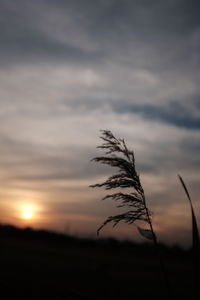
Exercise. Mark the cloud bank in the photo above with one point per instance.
(70, 68)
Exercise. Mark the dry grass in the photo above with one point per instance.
(119, 156)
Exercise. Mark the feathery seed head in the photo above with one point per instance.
(118, 155)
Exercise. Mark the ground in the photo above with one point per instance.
(45, 265)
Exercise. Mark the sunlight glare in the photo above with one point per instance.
(27, 213)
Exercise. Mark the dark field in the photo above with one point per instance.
(45, 265)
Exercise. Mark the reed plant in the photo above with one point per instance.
(126, 179)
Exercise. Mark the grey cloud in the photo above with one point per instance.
(174, 113)
(140, 14)
(27, 161)
(159, 41)
(183, 113)
(191, 145)
(112, 24)
(35, 46)
(31, 163)
(22, 40)
(39, 48)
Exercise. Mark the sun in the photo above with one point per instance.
(27, 213)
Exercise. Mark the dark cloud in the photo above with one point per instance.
(40, 48)
(174, 113)
(22, 39)
(173, 16)
(27, 29)
(182, 114)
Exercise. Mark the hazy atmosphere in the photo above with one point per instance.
(71, 68)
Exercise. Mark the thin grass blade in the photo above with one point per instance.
(195, 239)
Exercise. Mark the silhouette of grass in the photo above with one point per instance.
(127, 177)
(195, 241)
(119, 156)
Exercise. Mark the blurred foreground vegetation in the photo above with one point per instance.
(37, 264)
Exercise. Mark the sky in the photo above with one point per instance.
(70, 68)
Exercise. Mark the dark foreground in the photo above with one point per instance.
(44, 265)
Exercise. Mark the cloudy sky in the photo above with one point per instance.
(69, 68)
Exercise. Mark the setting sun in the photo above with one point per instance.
(27, 213)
